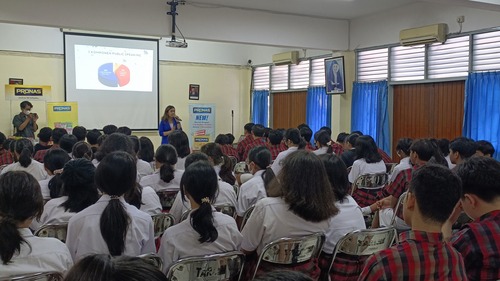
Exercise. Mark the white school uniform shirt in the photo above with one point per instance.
(271, 219)
(180, 164)
(450, 165)
(143, 168)
(321, 150)
(250, 192)
(158, 184)
(181, 240)
(84, 237)
(360, 167)
(150, 201)
(53, 212)
(403, 165)
(36, 169)
(39, 254)
(278, 162)
(44, 186)
(349, 218)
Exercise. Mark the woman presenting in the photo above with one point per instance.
(169, 123)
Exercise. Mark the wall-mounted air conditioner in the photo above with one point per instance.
(424, 35)
(286, 58)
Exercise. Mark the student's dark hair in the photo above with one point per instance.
(106, 268)
(359, 133)
(284, 275)
(294, 136)
(480, 176)
(134, 196)
(275, 137)
(404, 145)
(92, 136)
(445, 187)
(303, 125)
(366, 148)
(258, 130)
(444, 146)
(464, 146)
(200, 182)
(351, 139)
(24, 147)
(261, 156)
(20, 199)
(101, 139)
(180, 141)
(325, 128)
(115, 142)
(322, 137)
(25, 103)
(57, 134)
(124, 130)
(306, 133)
(341, 137)
(147, 151)
(115, 176)
(267, 130)
(67, 142)
(485, 147)
(135, 143)
(423, 148)
(214, 151)
(194, 157)
(6, 144)
(221, 139)
(80, 133)
(78, 185)
(248, 127)
(167, 156)
(230, 138)
(109, 129)
(337, 174)
(437, 157)
(45, 134)
(2, 139)
(306, 187)
(82, 149)
(55, 159)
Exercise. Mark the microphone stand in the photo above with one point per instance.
(232, 122)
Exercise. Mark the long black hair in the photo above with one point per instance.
(323, 138)
(24, 148)
(147, 151)
(115, 176)
(366, 148)
(214, 151)
(20, 199)
(180, 141)
(54, 160)
(337, 174)
(167, 156)
(79, 185)
(200, 182)
(294, 136)
(115, 142)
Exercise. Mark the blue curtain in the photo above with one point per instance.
(260, 111)
(318, 108)
(369, 112)
(482, 108)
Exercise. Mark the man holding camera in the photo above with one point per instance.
(25, 122)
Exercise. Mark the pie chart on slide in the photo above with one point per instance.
(114, 74)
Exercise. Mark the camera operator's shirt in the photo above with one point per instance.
(28, 131)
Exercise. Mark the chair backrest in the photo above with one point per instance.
(167, 198)
(290, 251)
(161, 222)
(365, 242)
(233, 160)
(185, 215)
(390, 167)
(39, 276)
(224, 266)
(246, 215)
(240, 168)
(54, 230)
(226, 209)
(153, 259)
(371, 181)
(398, 207)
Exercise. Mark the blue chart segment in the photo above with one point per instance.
(114, 75)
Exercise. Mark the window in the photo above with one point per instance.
(261, 78)
(279, 77)
(373, 65)
(486, 55)
(450, 59)
(317, 72)
(407, 63)
(299, 75)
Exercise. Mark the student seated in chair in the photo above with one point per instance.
(422, 253)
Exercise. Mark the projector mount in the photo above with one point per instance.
(173, 12)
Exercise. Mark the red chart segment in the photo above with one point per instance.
(114, 74)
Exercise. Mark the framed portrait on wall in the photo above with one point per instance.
(194, 92)
(334, 76)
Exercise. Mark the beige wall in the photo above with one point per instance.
(341, 104)
(226, 86)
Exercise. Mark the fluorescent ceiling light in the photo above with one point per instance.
(494, 2)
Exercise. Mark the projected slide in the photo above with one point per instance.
(112, 68)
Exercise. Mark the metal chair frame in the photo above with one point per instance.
(160, 223)
(43, 231)
(152, 259)
(227, 209)
(376, 181)
(167, 198)
(246, 215)
(46, 276)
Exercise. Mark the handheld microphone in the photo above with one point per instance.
(177, 118)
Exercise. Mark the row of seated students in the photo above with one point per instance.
(310, 195)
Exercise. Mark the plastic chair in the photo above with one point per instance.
(364, 242)
(216, 267)
(153, 259)
(291, 251)
(167, 198)
(246, 215)
(240, 168)
(370, 181)
(226, 209)
(45, 276)
(54, 230)
(161, 222)
(398, 207)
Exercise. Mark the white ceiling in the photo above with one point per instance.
(333, 9)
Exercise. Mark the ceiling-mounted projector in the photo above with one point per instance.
(177, 44)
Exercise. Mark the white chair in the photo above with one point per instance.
(161, 222)
(153, 259)
(54, 230)
(226, 209)
(370, 181)
(216, 267)
(167, 198)
(39, 276)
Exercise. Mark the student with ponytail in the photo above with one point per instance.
(53, 162)
(321, 139)
(293, 141)
(23, 150)
(123, 230)
(20, 251)
(166, 177)
(206, 231)
(222, 163)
